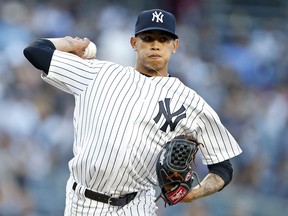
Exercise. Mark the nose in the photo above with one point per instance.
(155, 45)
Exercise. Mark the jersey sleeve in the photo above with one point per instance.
(39, 53)
(218, 144)
(70, 73)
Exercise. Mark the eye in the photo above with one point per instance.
(163, 39)
(147, 38)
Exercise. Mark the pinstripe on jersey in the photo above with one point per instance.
(123, 118)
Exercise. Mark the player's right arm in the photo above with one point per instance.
(40, 51)
(72, 45)
(61, 60)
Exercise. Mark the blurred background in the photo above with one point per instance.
(233, 53)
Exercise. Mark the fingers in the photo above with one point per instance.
(87, 39)
(68, 37)
(77, 45)
(82, 39)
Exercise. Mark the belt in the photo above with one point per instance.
(121, 201)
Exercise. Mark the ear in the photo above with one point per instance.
(133, 42)
(175, 45)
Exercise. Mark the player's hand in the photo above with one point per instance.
(77, 45)
(174, 168)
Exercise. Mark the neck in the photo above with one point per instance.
(151, 71)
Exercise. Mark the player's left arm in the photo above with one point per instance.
(219, 176)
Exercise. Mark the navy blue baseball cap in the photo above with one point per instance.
(156, 19)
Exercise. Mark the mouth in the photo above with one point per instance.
(154, 56)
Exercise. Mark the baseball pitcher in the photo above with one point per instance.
(131, 121)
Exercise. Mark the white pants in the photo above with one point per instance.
(78, 205)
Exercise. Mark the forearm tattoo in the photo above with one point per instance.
(211, 183)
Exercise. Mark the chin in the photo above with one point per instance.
(153, 67)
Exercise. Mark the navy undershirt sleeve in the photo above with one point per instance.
(39, 53)
(223, 169)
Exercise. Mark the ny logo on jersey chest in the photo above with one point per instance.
(165, 111)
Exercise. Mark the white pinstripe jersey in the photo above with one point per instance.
(123, 118)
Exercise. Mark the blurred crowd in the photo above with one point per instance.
(235, 57)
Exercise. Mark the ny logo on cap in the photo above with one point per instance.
(157, 16)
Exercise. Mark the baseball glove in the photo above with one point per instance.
(174, 168)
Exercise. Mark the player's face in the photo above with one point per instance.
(154, 50)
